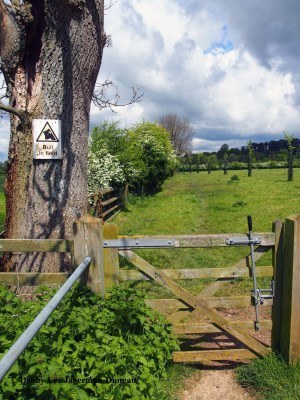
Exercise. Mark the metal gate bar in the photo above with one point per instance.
(20, 345)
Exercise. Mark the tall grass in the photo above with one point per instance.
(272, 378)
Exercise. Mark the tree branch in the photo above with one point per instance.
(101, 100)
(21, 114)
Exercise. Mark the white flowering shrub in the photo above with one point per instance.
(104, 170)
(142, 156)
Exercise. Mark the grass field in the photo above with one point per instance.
(202, 203)
(191, 203)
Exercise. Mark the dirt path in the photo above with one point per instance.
(215, 385)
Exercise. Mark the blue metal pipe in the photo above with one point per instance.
(20, 345)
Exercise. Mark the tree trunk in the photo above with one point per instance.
(59, 56)
(249, 169)
(290, 166)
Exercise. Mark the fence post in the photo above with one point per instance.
(126, 193)
(88, 241)
(110, 257)
(290, 311)
(277, 261)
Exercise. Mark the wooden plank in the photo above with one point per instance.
(110, 257)
(178, 316)
(198, 273)
(110, 210)
(36, 245)
(278, 262)
(201, 328)
(213, 288)
(212, 355)
(33, 278)
(195, 303)
(214, 302)
(290, 312)
(102, 192)
(109, 201)
(113, 216)
(88, 241)
(217, 240)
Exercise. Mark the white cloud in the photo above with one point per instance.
(4, 137)
(189, 58)
(202, 145)
(230, 68)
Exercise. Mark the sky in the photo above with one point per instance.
(232, 68)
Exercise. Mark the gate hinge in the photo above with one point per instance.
(241, 241)
(139, 243)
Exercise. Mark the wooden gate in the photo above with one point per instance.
(90, 237)
(283, 241)
(187, 305)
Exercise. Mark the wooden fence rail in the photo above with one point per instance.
(106, 203)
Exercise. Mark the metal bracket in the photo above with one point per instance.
(263, 294)
(241, 241)
(139, 243)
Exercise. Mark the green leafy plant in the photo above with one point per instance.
(89, 348)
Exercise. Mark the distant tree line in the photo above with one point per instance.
(3, 167)
(283, 153)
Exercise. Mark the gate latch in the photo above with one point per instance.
(263, 294)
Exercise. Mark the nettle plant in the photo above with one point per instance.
(89, 348)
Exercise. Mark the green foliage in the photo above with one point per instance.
(234, 178)
(272, 377)
(86, 344)
(152, 152)
(144, 153)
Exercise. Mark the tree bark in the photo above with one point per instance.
(50, 75)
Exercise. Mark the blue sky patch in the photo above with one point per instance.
(223, 46)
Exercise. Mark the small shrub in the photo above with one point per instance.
(234, 178)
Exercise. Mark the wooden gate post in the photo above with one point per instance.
(88, 241)
(290, 312)
(277, 261)
(111, 257)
